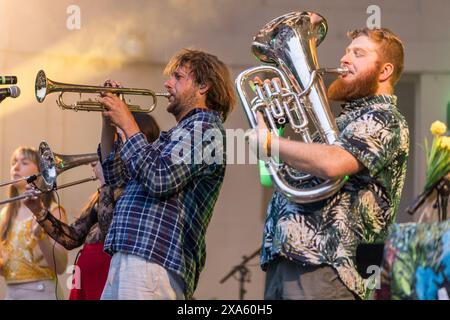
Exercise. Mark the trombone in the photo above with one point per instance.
(50, 166)
(39, 192)
(44, 86)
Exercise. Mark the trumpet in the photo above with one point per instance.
(44, 86)
(50, 166)
(39, 192)
(53, 164)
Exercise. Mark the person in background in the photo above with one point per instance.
(91, 227)
(29, 259)
(157, 236)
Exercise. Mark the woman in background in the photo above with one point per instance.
(90, 229)
(29, 259)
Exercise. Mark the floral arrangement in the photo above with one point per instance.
(438, 157)
(438, 165)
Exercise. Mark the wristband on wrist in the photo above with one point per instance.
(268, 144)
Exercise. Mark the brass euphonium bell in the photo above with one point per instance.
(289, 43)
(44, 86)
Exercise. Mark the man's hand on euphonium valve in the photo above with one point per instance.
(261, 139)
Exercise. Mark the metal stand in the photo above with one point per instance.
(443, 191)
(244, 273)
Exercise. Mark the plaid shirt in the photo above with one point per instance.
(170, 192)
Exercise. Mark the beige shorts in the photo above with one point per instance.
(134, 278)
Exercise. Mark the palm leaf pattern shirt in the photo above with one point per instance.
(329, 231)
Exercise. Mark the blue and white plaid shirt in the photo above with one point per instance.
(171, 187)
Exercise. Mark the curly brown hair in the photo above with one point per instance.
(207, 69)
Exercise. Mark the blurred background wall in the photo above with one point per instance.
(132, 41)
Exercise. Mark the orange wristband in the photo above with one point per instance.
(268, 144)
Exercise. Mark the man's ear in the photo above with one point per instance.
(203, 88)
(386, 72)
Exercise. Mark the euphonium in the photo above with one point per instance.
(299, 99)
(45, 86)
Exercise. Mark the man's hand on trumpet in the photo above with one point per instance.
(117, 111)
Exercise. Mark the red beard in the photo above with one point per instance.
(365, 85)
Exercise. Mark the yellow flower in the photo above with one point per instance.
(438, 128)
(444, 143)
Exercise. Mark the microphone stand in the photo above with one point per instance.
(442, 187)
(244, 273)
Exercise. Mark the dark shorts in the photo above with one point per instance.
(288, 280)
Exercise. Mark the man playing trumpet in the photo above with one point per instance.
(157, 237)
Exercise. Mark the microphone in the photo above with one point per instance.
(8, 80)
(12, 92)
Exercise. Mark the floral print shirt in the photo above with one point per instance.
(329, 231)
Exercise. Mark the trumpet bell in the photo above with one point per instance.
(47, 166)
(41, 86)
(52, 164)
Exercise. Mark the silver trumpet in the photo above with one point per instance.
(288, 43)
(50, 166)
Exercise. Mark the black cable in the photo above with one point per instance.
(62, 230)
(54, 244)
(54, 241)
(59, 205)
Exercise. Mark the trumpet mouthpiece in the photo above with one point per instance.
(164, 94)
